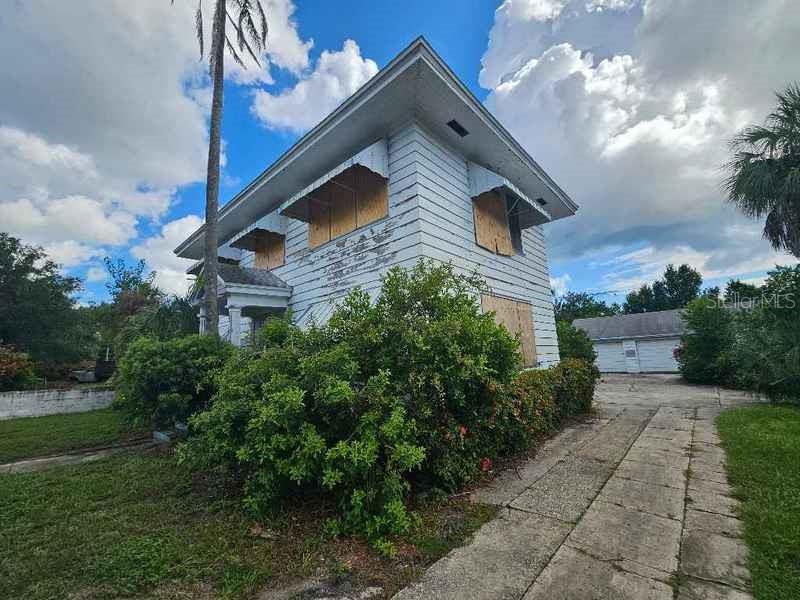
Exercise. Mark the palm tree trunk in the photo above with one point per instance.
(212, 175)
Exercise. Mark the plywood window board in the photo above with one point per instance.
(352, 199)
(517, 317)
(268, 247)
(492, 229)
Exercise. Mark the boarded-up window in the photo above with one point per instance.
(269, 252)
(354, 198)
(268, 247)
(492, 229)
(517, 317)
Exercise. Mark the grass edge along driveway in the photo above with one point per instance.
(762, 444)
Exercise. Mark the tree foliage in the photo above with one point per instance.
(574, 343)
(754, 346)
(38, 314)
(764, 174)
(675, 289)
(736, 291)
(580, 305)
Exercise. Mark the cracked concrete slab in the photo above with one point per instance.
(645, 497)
(605, 510)
(655, 474)
(614, 532)
(716, 558)
(566, 490)
(502, 561)
(574, 575)
(712, 523)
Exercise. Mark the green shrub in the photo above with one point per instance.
(16, 370)
(574, 343)
(704, 353)
(766, 338)
(574, 381)
(417, 389)
(161, 382)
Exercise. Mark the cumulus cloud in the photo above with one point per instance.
(106, 116)
(560, 284)
(636, 137)
(157, 253)
(95, 274)
(336, 76)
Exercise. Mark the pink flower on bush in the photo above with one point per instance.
(486, 464)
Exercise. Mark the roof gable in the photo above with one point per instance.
(416, 86)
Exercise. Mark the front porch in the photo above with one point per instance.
(246, 296)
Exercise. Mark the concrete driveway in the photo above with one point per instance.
(632, 504)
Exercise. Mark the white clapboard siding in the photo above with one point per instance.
(610, 357)
(430, 215)
(448, 234)
(322, 276)
(656, 356)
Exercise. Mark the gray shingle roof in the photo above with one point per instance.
(661, 323)
(249, 276)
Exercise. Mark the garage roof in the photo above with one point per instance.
(664, 323)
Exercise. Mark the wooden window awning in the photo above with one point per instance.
(267, 246)
(374, 158)
(482, 181)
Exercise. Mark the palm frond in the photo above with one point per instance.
(246, 45)
(198, 25)
(233, 52)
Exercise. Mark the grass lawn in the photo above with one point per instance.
(137, 524)
(763, 450)
(39, 436)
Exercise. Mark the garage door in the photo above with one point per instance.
(610, 357)
(655, 356)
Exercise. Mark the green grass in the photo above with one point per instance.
(40, 436)
(763, 451)
(138, 524)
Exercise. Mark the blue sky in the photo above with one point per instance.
(111, 160)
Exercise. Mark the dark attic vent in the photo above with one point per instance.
(541, 201)
(457, 127)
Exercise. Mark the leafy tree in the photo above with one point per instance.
(703, 356)
(736, 291)
(764, 175)
(249, 37)
(574, 343)
(675, 289)
(580, 305)
(38, 315)
(130, 289)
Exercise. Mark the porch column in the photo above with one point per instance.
(235, 316)
(203, 320)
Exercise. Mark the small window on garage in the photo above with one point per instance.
(517, 317)
(496, 227)
(354, 198)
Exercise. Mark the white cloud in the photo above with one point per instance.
(336, 76)
(96, 274)
(636, 129)
(101, 124)
(560, 284)
(157, 253)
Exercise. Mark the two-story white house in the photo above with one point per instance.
(412, 165)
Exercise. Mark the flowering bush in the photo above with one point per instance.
(16, 370)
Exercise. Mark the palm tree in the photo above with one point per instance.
(764, 175)
(249, 22)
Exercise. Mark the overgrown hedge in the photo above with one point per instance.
(159, 383)
(417, 390)
(753, 346)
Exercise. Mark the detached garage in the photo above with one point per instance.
(640, 343)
